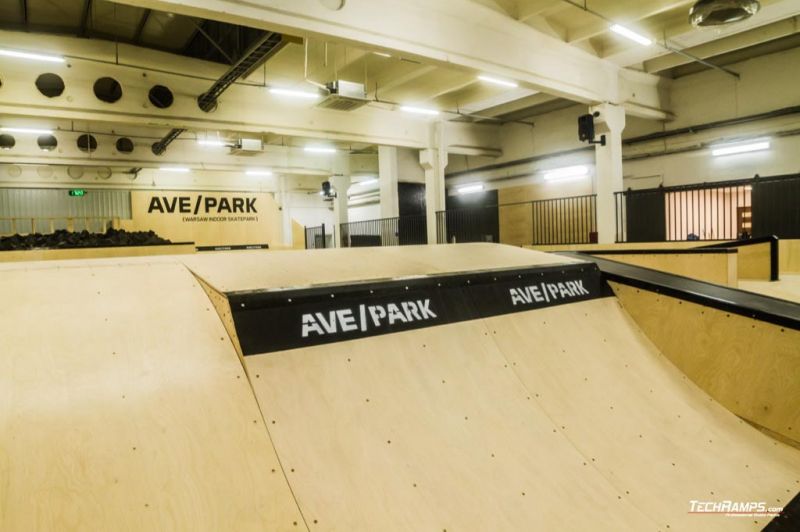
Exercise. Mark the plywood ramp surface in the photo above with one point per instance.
(658, 438)
(123, 406)
(268, 270)
(565, 418)
(749, 366)
(426, 430)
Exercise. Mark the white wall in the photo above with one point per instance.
(310, 210)
(364, 212)
(767, 83)
(408, 167)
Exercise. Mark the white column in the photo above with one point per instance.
(434, 161)
(284, 200)
(340, 184)
(431, 161)
(387, 180)
(608, 170)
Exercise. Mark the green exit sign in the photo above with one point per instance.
(77, 192)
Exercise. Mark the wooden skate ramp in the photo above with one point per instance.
(563, 417)
(123, 406)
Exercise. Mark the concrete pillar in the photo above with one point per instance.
(387, 180)
(608, 169)
(433, 164)
(434, 161)
(284, 200)
(340, 184)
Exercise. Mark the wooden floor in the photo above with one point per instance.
(123, 406)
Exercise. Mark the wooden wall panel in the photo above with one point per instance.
(789, 256)
(749, 366)
(516, 227)
(718, 268)
(212, 228)
(754, 261)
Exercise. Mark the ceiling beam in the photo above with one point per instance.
(527, 9)
(507, 7)
(199, 27)
(746, 39)
(684, 36)
(625, 14)
(137, 36)
(381, 85)
(263, 112)
(518, 105)
(440, 33)
(86, 15)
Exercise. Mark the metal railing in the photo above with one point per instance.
(571, 220)
(396, 231)
(317, 238)
(728, 210)
(46, 225)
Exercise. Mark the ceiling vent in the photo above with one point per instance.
(718, 12)
(247, 147)
(344, 96)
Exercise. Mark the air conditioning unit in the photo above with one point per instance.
(344, 96)
(247, 147)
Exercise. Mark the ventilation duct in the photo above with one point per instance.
(718, 12)
(344, 96)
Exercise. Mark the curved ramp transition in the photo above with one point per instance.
(123, 404)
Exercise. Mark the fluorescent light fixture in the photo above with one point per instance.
(258, 172)
(470, 189)
(294, 93)
(175, 169)
(319, 149)
(502, 82)
(740, 148)
(367, 182)
(382, 54)
(210, 142)
(567, 172)
(419, 110)
(27, 130)
(632, 35)
(33, 57)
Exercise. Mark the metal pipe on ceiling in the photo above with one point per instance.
(264, 47)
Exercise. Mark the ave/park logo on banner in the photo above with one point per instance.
(277, 320)
(210, 205)
(206, 208)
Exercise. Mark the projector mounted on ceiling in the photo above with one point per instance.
(718, 12)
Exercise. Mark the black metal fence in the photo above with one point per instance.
(397, 231)
(318, 238)
(719, 211)
(571, 220)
